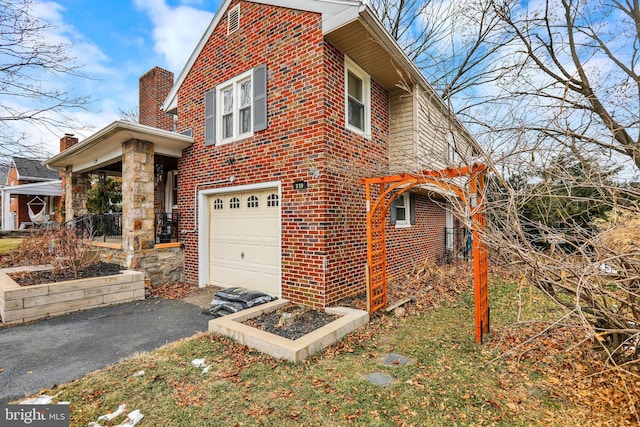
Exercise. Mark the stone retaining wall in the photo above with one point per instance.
(20, 304)
(162, 264)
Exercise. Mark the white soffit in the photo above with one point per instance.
(105, 146)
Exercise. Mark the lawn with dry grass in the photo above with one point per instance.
(6, 245)
(529, 372)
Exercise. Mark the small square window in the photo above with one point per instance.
(253, 202)
(273, 200)
(401, 214)
(401, 210)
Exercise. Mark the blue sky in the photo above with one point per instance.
(117, 41)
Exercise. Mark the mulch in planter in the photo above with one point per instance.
(305, 320)
(96, 269)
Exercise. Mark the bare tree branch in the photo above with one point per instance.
(30, 67)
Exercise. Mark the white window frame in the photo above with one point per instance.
(352, 67)
(449, 236)
(233, 20)
(406, 201)
(170, 191)
(451, 148)
(234, 84)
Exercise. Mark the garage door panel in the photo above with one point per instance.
(251, 229)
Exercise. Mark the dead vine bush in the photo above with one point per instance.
(61, 247)
(580, 266)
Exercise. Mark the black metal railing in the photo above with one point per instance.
(457, 243)
(98, 226)
(167, 226)
(105, 227)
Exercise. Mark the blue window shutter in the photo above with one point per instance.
(210, 117)
(393, 211)
(412, 209)
(260, 98)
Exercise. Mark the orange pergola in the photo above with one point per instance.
(389, 188)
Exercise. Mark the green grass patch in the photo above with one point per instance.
(6, 245)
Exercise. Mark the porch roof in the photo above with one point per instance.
(105, 146)
(45, 188)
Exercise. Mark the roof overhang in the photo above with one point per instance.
(350, 26)
(105, 146)
(334, 14)
(46, 188)
(354, 29)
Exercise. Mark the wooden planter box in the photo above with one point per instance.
(19, 304)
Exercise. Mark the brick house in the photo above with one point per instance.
(30, 195)
(260, 144)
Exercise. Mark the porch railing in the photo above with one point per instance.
(167, 227)
(105, 227)
(98, 226)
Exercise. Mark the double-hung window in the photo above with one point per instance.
(403, 210)
(357, 98)
(235, 102)
(237, 108)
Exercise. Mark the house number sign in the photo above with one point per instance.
(300, 185)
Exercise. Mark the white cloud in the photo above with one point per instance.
(87, 54)
(176, 30)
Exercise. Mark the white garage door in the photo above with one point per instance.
(244, 241)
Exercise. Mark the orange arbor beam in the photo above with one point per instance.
(387, 189)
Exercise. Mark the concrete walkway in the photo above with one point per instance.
(61, 349)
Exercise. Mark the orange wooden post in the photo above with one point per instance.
(369, 248)
(480, 262)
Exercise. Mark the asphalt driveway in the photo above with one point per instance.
(61, 349)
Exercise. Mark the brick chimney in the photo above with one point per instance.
(67, 141)
(154, 88)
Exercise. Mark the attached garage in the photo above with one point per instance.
(242, 239)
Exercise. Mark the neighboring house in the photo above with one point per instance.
(280, 110)
(30, 195)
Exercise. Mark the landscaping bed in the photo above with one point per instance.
(19, 304)
(37, 277)
(291, 322)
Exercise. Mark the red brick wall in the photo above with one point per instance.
(283, 152)
(323, 233)
(349, 157)
(424, 240)
(154, 87)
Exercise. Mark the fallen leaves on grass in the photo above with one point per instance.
(187, 394)
(608, 395)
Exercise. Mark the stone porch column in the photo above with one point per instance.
(137, 198)
(76, 194)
